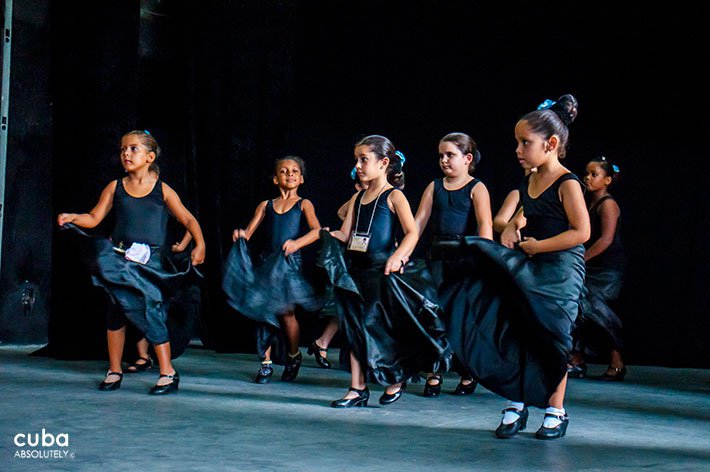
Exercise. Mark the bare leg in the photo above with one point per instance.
(142, 348)
(162, 352)
(327, 336)
(267, 355)
(116, 340)
(557, 399)
(293, 331)
(357, 377)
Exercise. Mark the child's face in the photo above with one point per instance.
(288, 174)
(532, 150)
(134, 154)
(595, 178)
(367, 165)
(452, 161)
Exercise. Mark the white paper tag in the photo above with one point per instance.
(138, 252)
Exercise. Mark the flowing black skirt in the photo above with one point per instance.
(511, 316)
(392, 324)
(145, 293)
(599, 327)
(263, 292)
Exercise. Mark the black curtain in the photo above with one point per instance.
(228, 86)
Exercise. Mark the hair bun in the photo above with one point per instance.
(566, 108)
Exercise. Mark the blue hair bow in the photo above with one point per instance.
(401, 157)
(353, 173)
(615, 168)
(146, 131)
(546, 104)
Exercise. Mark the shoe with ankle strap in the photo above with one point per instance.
(108, 386)
(388, 398)
(292, 367)
(507, 431)
(465, 389)
(315, 350)
(361, 400)
(556, 432)
(167, 388)
(135, 367)
(263, 375)
(618, 375)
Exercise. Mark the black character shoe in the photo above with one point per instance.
(618, 375)
(136, 367)
(263, 375)
(463, 389)
(433, 390)
(556, 432)
(578, 371)
(506, 431)
(315, 350)
(292, 367)
(167, 388)
(361, 399)
(108, 386)
(388, 398)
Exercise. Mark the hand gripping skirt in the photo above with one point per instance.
(511, 316)
(145, 293)
(264, 292)
(391, 323)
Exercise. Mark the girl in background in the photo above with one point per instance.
(605, 265)
(454, 206)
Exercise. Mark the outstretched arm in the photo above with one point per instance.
(183, 215)
(291, 246)
(96, 215)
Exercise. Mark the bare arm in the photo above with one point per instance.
(344, 232)
(409, 226)
(609, 214)
(343, 210)
(253, 224)
(482, 206)
(506, 211)
(96, 215)
(573, 201)
(182, 245)
(291, 246)
(183, 215)
(424, 210)
(511, 233)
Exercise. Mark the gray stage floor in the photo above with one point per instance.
(659, 419)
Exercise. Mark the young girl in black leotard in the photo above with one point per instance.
(606, 264)
(453, 207)
(390, 320)
(270, 293)
(130, 267)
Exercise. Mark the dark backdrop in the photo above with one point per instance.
(228, 86)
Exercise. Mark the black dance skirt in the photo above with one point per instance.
(145, 293)
(263, 292)
(598, 326)
(511, 316)
(391, 323)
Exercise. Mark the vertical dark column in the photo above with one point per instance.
(26, 249)
(94, 91)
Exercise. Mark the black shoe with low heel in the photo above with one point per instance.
(263, 375)
(618, 375)
(507, 431)
(388, 398)
(108, 386)
(463, 389)
(556, 432)
(315, 350)
(135, 367)
(292, 367)
(577, 371)
(167, 388)
(433, 390)
(361, 400)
